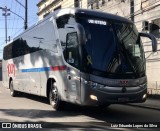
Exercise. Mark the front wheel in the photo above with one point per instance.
(13, 93)
(54, 98)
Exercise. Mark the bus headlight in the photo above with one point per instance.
(96, 85)
(92, 84)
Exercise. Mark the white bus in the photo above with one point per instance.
(79, 56)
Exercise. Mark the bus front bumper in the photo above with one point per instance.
(113, 95)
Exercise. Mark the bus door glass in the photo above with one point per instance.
(71, 54)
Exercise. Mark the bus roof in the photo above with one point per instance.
(95, 13)
(74, 11)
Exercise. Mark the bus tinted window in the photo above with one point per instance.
(18, 48)
(7, 53)
(72, 50)
(41, 37)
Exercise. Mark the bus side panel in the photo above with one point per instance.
(56, 70)
(27, 77)
(37, 41)
(5, 78)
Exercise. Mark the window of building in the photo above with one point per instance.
(57, 8)
(46, 14)
(103, 2)
(76, 3)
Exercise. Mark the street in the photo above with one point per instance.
(30, 108)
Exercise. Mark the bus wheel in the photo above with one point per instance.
(54, 98)
(12, 91)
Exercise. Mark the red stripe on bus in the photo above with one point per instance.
(58, 68)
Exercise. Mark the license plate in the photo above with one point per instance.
(123, 99)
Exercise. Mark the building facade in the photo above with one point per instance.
(144, 13)
(147, 19)
(45, 7)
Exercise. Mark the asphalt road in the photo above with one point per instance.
(30, 108)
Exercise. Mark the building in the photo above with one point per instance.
(147, 19)
(144, 13)
(47, 6)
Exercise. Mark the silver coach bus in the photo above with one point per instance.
(79, 56)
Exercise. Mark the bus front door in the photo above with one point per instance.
(73, 69)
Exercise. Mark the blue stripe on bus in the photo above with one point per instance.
(36, 69)
(41, 69)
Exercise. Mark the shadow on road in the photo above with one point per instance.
(114, 113)
(33, 97)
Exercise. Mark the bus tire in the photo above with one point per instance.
(54, 98)
(13, 93)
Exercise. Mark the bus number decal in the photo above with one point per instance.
(11, 69)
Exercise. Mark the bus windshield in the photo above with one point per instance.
(112, 49)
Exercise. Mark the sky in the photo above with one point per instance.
(15, 24)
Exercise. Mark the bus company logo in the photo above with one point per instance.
(6, 125)
(123, 82)
(11, 69)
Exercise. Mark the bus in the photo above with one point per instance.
(85, 57)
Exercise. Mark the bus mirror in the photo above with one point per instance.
(153, 39)
(72, 39)
(71, 46)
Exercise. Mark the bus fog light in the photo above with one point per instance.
(144, 96)
(93, 97)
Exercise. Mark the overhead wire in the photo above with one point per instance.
(8, 19)
(18, 13)
(17, 32)
(9, 28)
(14, 18)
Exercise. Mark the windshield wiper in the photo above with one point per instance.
(130, 62)
(117, 45)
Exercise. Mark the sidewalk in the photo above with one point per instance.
(152, 102)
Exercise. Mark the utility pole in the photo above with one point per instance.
(26, 15)
(132, 10)
(5, 14)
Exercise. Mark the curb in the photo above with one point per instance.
(145, 106)
(154, 96)
(152, 106)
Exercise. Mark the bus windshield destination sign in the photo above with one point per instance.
(98, 22)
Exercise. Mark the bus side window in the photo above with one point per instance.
(72, 51)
